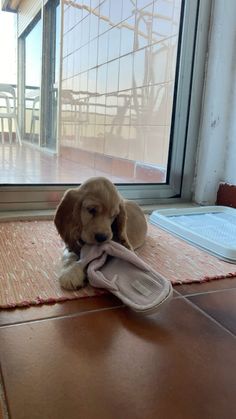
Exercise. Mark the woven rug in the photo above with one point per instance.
(30, 259)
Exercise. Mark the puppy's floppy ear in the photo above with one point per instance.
(67, 218)
(119, 227)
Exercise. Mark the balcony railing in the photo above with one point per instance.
(6, 102)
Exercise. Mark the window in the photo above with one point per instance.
(120, 104)
(32, 75)
(118, 80)
(51, 67)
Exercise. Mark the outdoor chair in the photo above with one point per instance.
(8, 111)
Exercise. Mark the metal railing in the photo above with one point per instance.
(31, 92)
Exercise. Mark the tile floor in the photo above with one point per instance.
(28, 165)
(93, 358)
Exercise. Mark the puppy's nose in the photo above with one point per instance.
(100, 237)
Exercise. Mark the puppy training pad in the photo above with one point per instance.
(30, 260)
(212, 228)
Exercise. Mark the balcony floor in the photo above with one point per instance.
(29, 165)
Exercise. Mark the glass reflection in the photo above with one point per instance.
(123, 70)
(33, 57)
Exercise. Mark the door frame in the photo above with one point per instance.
(186, 125)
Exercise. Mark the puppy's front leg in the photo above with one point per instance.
(72, 272)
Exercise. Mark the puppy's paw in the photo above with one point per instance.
(73, 277)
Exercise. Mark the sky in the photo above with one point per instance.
(8, 48)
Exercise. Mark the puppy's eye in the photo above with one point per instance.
(92, 211)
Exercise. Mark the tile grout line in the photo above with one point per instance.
(210, 317)
(3, 325)
(78, 314)
(205, 292)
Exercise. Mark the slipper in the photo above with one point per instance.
(123, 273)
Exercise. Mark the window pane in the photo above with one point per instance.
(33, 54)
(112, 65)
(50, 85)
(121, 114)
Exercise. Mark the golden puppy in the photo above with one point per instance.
(95, 213)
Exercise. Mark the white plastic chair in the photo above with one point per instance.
(34, 117)
(8, 96)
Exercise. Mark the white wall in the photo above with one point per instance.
(217, 139)
(8, 48)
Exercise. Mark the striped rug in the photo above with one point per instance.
(30, 259)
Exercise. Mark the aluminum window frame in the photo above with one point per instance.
(184, 132)
(21, 75)
(48, 62)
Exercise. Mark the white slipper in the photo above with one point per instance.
(126, 276)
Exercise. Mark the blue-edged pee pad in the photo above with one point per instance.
(212, 228)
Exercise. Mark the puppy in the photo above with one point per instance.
(95, 213)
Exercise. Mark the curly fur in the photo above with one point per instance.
(95, 212)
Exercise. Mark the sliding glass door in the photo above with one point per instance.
(32, 75)
(50, 69)
(110, 90)
(119, 78)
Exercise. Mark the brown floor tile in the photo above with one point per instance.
(219, 305)
(1, 411)
(77, 156)
(19, 315)
(220, 284)
(46, 311)
(103, 163)
(114, 364)
(124, 167)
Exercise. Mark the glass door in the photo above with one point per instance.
(32, 76)
(51, 65)
(131, 76)
(120, 74)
